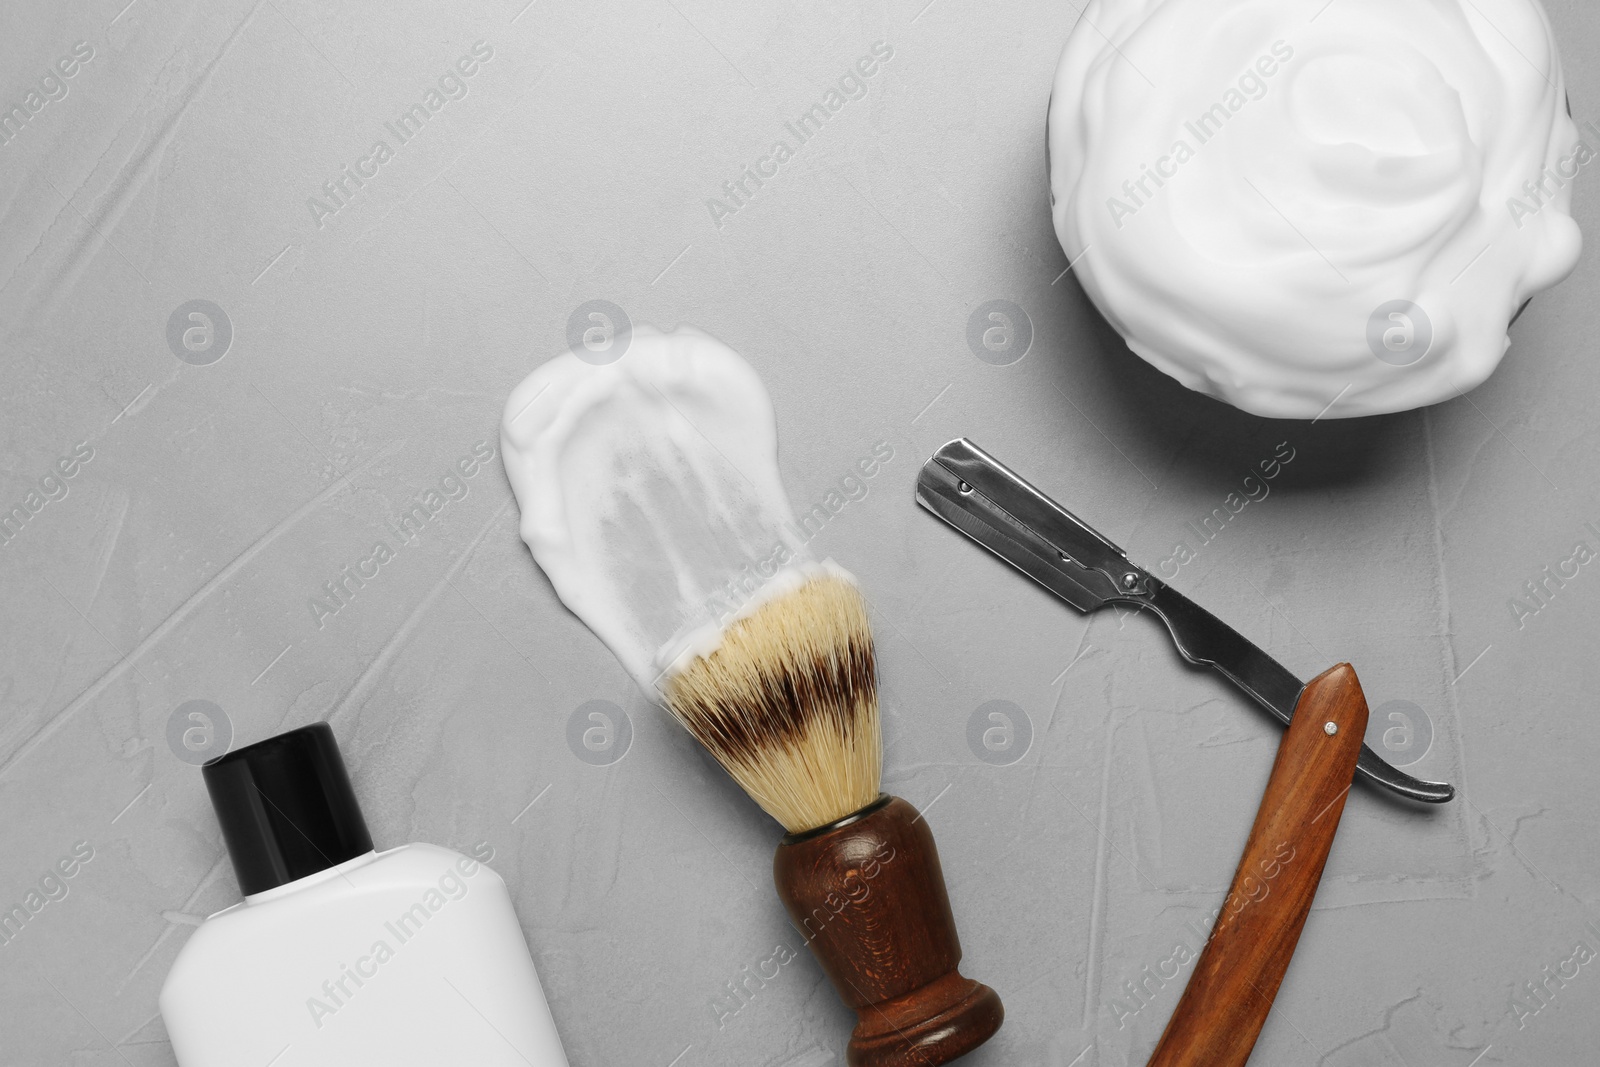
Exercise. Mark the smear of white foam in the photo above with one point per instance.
(650, 494)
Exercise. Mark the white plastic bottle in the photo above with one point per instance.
(340, 955)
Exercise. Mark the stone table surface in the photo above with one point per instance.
(1090, 794)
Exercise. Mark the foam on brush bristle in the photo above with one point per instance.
(788, 704)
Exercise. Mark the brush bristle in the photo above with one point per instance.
(788, 704)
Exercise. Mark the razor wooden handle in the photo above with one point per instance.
(1231, 991)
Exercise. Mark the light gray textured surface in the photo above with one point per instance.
(370, 353)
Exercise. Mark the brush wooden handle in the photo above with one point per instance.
(1231, 991)
(868, 894)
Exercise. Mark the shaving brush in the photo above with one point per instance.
(788, 704)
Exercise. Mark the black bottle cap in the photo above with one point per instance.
(286, 808)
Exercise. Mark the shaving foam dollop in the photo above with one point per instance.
(650, 494)
(1251, 190)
